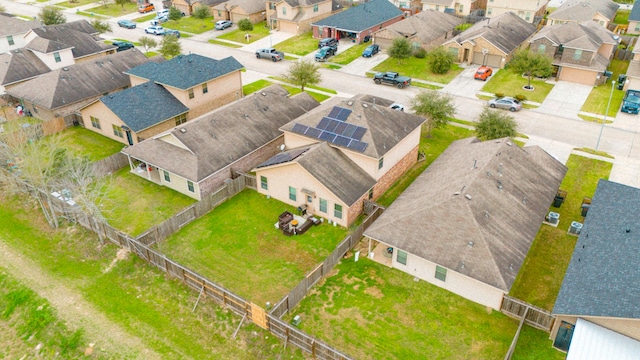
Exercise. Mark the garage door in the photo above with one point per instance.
(489, 60)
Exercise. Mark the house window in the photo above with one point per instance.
(219, 13)
(380, 163)
(489, 10)
(263, 183)
(205, 89)
(190, 186)
(56, 56)
(528, 16)
(181, 119)
(402, 257)
(437, 7)
(370, 193)
(191, 94)
(441, 273)
(10, 40)
(315, 8)
(323, 206)
(292, 193)
(167, 177)
(272, 6)
(117, 131)
(402, 4)
(95, 122)
(284, 11)
(337, 211)
(490, 0)
(461, 8)
(638, 26)
(577, 55)
(309, 199)
(542, 48)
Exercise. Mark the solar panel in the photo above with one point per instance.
(334, 112)
(323, 123)
(313, 132)
(359, 133)
(357, 145)
(348, 132)
(340, 128)
(333, 124)
(341, 140)
(343, 114)
(327, 136)
(283, 157)
(299, 128)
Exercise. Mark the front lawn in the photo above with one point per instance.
(190, 24)
(237, 246)
(133, 204)
(260, 30)
(599, 97)
(511, 84)
(350, 54)
(82, 142)
(113, 10)
(224, 43)
(302, 44)
(419, 69)
(255, 86)
(75, 3)
(542, 272)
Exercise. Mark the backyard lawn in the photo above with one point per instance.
(260, 30)
(510, 84)
(599, 97)
(418, 69)
(82, 142)
(237, 246)
(133, 205)
(302, 44)
(542, 272)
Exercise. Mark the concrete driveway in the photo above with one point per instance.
(464, 84)
(565, 98)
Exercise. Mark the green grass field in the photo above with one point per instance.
(510, 84)
(599, 97)
(301, 45)
(419, 69)
(259, 31)
(82, 142)
(190, 24)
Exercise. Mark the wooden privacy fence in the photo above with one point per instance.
(535, 316)
(110, 165)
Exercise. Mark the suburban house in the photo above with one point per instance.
(597, 309)
(408, 7)
(12, 31)
(236, 10)
(359, 21)
(467, 222)
(164, 95)
(342, 153)
(427, 29)
(580, 52)
(62, 92)
(531, 11)
(633, 71)
(295, 16)
(491, 42)
(454, 7)
(634, 20)
(187, 6)
(601, 11)
(197, 157)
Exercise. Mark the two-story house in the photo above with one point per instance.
(581, 52)
(601, 11)
(236, 10)
(532, 11)
(295, 16)
(164, 95)
(455, 7)
(12, 31)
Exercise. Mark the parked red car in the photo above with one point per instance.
(483, 73)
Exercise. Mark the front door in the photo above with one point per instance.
(129, 137)
(465, 56)
(564, 335)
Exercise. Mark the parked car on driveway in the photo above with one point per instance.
(505, 103)
(127, 24)
(223, 24)
(483, 73)
(156, 30)
(396, 106)
(145, 8)
(371, 50)
(325, 52)
(159, 20)
(175, 33)
(327, 42)
(163, 12)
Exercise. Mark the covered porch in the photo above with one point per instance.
(145, 170)
(380, 252)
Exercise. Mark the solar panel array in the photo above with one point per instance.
(283, 157)
(334, 129)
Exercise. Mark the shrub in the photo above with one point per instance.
(499, 95)
(520, 97)
(420, 53)
(245, 25)
(440, 60)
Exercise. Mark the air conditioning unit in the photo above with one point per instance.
(553, 218)
(575, 228)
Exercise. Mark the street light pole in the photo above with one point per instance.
(613, 83)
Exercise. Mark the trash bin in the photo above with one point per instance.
(559, 199)
(584, 208)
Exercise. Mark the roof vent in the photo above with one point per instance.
(365, 105)
(183, 130)
(462, 265)
(468, 196)
(509, 143)
(627, 230)
(470, 244)
(65, 68)
(510, 266)
(263, 93)
(350, 102)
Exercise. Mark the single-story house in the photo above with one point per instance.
(359, 21)
(454, 7)
(467, 222)
(491, 42)
(197, 157)
(601, 284)
(378, 140)
(164, 95)
(188, 6)
(601, 11)
(531, 11)
(295, 16)
(236, 10)
(634, 20)
(12, 31)
(427, 29)
(580, 52)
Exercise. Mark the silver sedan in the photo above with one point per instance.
(505, 103)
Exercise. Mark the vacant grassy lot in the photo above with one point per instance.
(133, 204)
(260, 30)
(113, 10)
(419, 69)
(350, 54)
(82, 142)
(237, 246)
(510, 84)
(133, 294)
(541, 275)
(302, 44)
(599, 97)
(190, 24)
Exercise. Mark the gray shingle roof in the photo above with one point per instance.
(586, 35)
(491, 193)
(581, 10)
(76, 34)
(14, 26)
(186, 71)
(506, 32)
(144, 105)
(385, 127)
(635, 12)
(222, 137)
(88, 79)
(249, 6)
(602, 277)
(46, 46)
(20, 65)
(362, 17)
(297, 3)
(427, 26)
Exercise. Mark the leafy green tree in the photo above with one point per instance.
(170, 46)
(531, 63)
(147, 43)
(101, 26)
(122, 2)
(245, 25)
(400, 49)
(201, 12)
(495, 124)
(50, 15)
(303, 73)
(174, 13)
(436, 107)
(440, 60)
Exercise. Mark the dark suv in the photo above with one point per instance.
(325, 52)
(327, 42)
